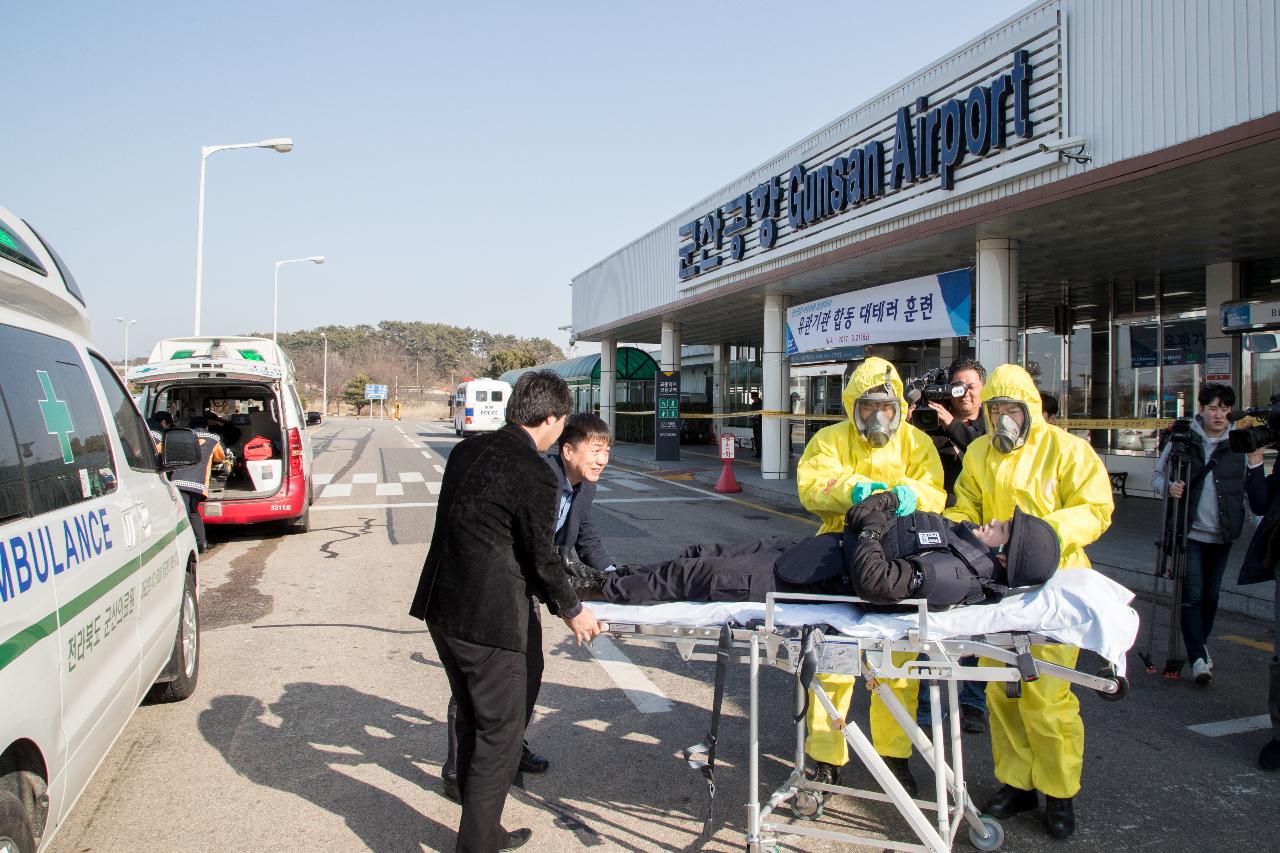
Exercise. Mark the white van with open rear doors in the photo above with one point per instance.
(480, 405)
(99, 606)
(241, 389)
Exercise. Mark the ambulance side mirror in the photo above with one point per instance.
(179, 449)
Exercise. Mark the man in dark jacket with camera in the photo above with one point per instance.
(1214, 485)
(1259, 566)
(490, 551)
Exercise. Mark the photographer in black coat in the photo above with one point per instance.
(491, 549)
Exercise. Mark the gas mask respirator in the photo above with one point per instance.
(881, 423)
(1006, 433)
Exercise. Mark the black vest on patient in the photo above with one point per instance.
(956, 568)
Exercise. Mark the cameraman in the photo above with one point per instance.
(960, 420)
(1216, 490)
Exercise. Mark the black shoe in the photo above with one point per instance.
(821, 771)
(901, 769)
(1269, 758)
(1059, 817)
(450, 785)
(1009, 801)
(575, 568)
(531, 762)
(972, 720)
(516, 838)
(588, 588)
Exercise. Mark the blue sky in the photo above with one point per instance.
(454, 163)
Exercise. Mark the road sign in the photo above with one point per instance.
(728, 445)
(375, 392)
(666, 442)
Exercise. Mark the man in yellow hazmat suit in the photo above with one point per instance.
(1037, 741)
(874, 449)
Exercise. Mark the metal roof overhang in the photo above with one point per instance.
(1204, 201)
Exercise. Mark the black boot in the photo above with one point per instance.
(588, 588)
(901, 769)
(573, 567)
(516, 838)
(1009, 801)
(1059, 817)
(531, 762)
(821, 771)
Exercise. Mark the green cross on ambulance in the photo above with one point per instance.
(98, 600)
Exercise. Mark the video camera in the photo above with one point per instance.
(932, 387)
(1250, 439)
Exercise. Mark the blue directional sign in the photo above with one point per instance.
(375, 392)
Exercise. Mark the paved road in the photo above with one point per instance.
(318, 723)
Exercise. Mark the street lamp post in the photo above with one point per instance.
(324, 395)
(127, 324)
(282, 145)
(275, 292)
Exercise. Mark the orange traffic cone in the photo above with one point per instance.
(727, 482)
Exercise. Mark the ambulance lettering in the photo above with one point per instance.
(32, 558)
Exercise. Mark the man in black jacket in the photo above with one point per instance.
(490, 551)
(577, 462)
(880, 557)
(960, 421)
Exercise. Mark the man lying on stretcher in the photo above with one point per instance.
(879, 557)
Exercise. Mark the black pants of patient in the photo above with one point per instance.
(706, 573)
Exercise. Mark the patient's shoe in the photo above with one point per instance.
(574, 567)
(822, 772)
(1059, 817)
(1009, 801)
(588, 588)
(901, 769)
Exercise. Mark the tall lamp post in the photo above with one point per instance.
(324, 395)
(127, 324)
(275, 292)
(283, 145)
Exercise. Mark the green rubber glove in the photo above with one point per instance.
(906, 500)
(862, 491)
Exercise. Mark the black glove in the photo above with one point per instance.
(875, 514)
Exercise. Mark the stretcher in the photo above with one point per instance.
(810, 634)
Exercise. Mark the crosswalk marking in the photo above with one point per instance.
(389, 489)
(631, 483)
(364, 478)
(1233, 727)
(411, 477)
(321, 479)
(336, 490)
(439, 468)
(426, 453)
(643, 693)
(433, 488)
(383, 505)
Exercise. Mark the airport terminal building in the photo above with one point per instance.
(1090, 188)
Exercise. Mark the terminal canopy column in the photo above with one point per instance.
(719, 380)
(670, 346)
(775, 432)
(1222, 284)
(608, 380)
(997, 295)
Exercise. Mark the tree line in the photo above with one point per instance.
(413, 358)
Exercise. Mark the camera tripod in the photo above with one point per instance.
(1171, 560)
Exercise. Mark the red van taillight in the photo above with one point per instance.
(295, 453)
(468, 420)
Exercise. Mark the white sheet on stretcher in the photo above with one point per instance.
(1080, 607)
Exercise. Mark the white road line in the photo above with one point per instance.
(602, 488)
(433, 488)
(321, 479)
(399, 429)
(642, 692)
(386, 505)
(411, 477)
(337, 490)
(1233, 727)
(659, 499)
(426, 453)
(389, 489)
(364, 478)
(439, 468)
(630, 483)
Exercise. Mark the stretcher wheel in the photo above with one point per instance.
(995, 835)
(1013, 689)
(1122, 685)
(807, 805)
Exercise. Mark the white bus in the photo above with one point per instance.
(99, 606)
(480, 405)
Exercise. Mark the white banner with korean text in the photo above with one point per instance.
(932, 306)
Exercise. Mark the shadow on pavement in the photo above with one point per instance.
(293, 744)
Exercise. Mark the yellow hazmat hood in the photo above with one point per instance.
(869, 375)
(1013, 382)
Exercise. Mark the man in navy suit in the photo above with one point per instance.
(578, 461)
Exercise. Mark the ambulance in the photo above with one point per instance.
(99, 607)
